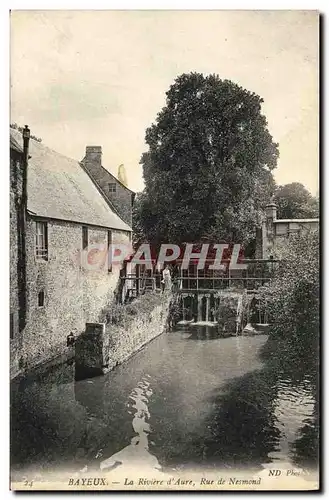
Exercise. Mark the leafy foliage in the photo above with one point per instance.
(123, 314)
(294, 201)
(208, 168)
(141, 213)
(292, 298)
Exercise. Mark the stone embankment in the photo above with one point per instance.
(124, 330)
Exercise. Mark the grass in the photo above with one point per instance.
(121, 314)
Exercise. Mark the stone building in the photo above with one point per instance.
(67, 214)
(120, 197)
(17, 255)
(274, 232)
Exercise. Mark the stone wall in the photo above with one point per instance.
(97, 353)
(121, 199)
(285, 228)
(16, 186)
(73, 295)
(145, 326)
(275, 232)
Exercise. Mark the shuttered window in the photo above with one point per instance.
(41, 240)
(41, 298)
(12, 326)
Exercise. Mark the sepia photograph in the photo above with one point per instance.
(164, 250)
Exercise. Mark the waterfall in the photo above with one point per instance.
(239, 310)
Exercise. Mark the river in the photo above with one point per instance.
(186, 400)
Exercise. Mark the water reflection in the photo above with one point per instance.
(203, 333)
(212, 403)
(269, 415)
(43, 425)
(242, 429)
(294, 366)
(306, 447)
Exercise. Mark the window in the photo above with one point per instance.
(12, 326)
(41, 298)
(109, 257)
(42, 240)
(112, 187)
(84, 237)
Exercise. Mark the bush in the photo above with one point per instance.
(113, 314)
(131, 309)
(120, 314)
(292, 297)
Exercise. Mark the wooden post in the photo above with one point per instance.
(21, 222)
(207, 308)
(199, 307)
(137, 279)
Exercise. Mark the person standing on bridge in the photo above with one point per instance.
(166, 279)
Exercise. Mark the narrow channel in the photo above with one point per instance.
(188, 399)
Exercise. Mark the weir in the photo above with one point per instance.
(225, 298)
(227, 310)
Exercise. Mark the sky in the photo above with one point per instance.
(83, 78)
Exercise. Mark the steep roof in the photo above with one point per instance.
(113, 177)
(59, 188)
(14, 144)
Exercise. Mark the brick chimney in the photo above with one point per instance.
(92, 162)
(118, 197)
(93, 155)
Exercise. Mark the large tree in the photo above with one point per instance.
(294, 201)
(208, 168)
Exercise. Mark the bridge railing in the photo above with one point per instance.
(257, 273)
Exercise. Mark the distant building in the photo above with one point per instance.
(274, 232)
(120, 197)
(66, 213)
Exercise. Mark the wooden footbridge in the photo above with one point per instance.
(138, 280)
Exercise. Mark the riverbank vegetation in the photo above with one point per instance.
(294, 201)
(292, 298)
(123, 315)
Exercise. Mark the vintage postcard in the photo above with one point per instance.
(164, 250)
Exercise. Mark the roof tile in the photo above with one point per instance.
(59, 188)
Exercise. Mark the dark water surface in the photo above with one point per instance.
(186, 399)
